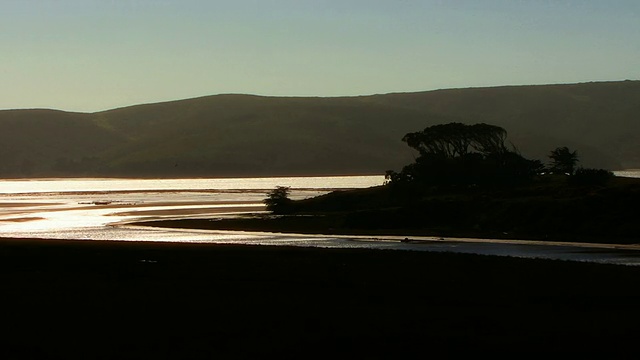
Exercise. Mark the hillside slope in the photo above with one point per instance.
(245, 135)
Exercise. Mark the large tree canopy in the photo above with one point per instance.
(456, 139)
(459, 154)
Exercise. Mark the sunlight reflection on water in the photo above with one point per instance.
(84, 208)
(147, 185)
(634, 173)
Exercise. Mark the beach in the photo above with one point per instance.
(119, 299)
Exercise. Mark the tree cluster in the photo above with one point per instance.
(459, 154)
(458, 140)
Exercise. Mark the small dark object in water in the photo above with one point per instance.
(405, 240)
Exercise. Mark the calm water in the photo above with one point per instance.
(27, 186)
(97, 209)
(83, 208)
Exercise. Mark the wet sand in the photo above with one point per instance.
(101, 299)
(314, 226)
(24, 204)
(200, 210)
(22, 219)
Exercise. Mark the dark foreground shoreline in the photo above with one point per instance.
(107, 300)
(326, 225)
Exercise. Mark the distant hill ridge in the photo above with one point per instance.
(249, 135)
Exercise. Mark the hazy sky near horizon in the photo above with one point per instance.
(91, 55)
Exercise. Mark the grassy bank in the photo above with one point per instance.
(98, 299)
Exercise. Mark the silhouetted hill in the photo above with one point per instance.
(46, 142)
(244, 135)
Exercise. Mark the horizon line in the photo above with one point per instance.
(310, 96)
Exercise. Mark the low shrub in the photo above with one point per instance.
(591, 177)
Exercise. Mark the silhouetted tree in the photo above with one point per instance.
(456, 140)
(278, 201)
(459, 154)
(488, 139)
(563, 160)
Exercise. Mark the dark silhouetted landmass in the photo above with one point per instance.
(465, 182)
(550, 208)
(244, 135)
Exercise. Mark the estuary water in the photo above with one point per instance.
(101, 209)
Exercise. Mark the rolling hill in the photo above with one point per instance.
(246, 135)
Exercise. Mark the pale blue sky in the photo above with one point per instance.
(90, 55)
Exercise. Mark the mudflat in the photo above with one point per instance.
(107, 299)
